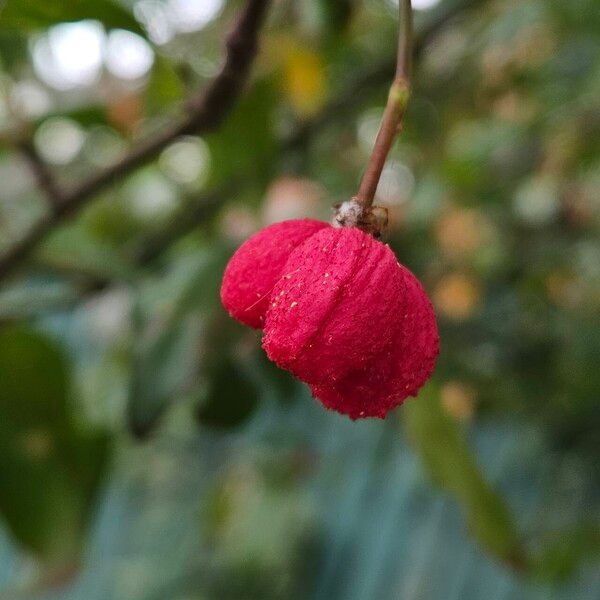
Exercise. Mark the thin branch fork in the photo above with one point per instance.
(205, 113)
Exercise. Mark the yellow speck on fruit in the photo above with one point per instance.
(293, 304)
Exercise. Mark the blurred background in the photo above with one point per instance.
(148, 450)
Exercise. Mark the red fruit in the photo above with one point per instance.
(256, 266)
(399, 371)
(335, 306)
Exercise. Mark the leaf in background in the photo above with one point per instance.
(565, 551)
(85, 115)
(448, 458)
(304, 80)
(277, 381)
(33, 380)
(164, 87)
(245, 144)
(32, 14)
(13, 49)
(49, 470)
(232, 395)
(161, 372)
(336, 14)
(33, 299)
(76, 248)
(168, 362)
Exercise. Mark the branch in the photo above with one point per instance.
(196, 211)
(205, 113)
(142, 253)
(42, 174)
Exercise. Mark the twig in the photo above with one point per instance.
(144, 252)
(394, 110)
(42, 173)
(196, 211)
(205, 114)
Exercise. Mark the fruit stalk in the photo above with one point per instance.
(393, 115)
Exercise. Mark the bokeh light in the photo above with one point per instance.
(70, 55)
(187, 161)
(59, 140)
(419, 4)
(128, 55)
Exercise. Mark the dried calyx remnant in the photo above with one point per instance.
(372, 220)
(359, 211)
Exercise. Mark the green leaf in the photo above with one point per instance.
(447, 457)
(13, 49)
(75, 250)
(336, 14)
(564, 552)
(164, 87)
(245, 144)
(32, 299)
(34, 380)
(160, 374)
(49, 470)
(276, 380)
(29, 15)
(232, 396)
(166, 364)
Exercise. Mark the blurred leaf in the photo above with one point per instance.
(75, 250)
(13, 49)
(277, 381)
(32, 14)
(232, 396)
(245, 145)
(27, 300)
(86, 116)
(565, 551)
(34, 380)
(448, 459)
(336, 14)
(304, 80)
(161, 371)
(167, 363)
(49, 471)
(164, 87)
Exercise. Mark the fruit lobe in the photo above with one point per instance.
(334, 307)
(399, 370)
(256, 266)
